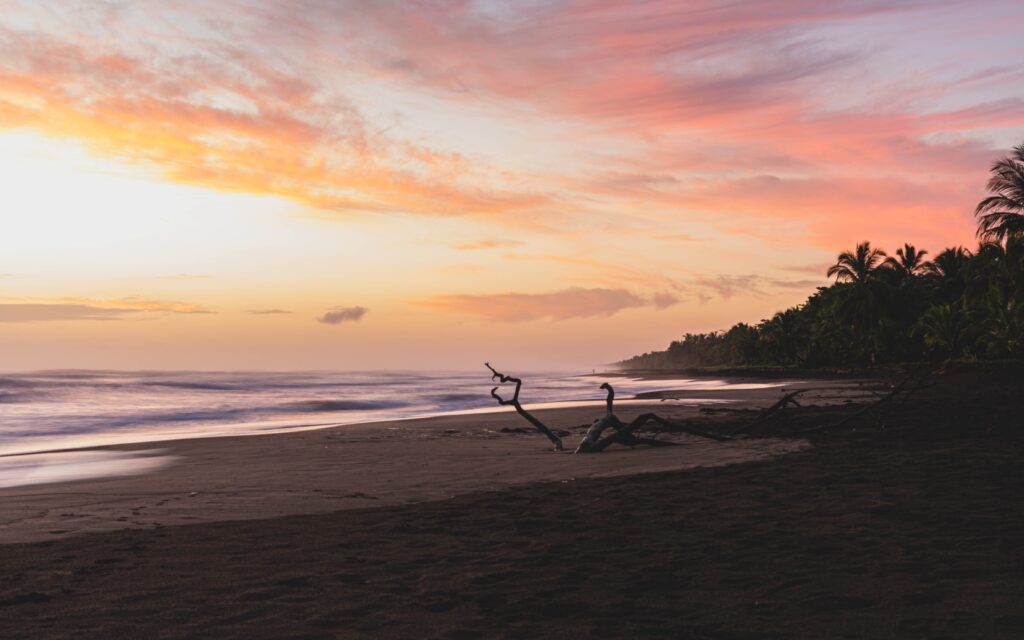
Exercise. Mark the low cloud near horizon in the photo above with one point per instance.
(268, 312)
(84, 309)
(339, 315)
(557, 305)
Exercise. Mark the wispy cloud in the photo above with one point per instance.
(84, 309)
(664, 299)
(487, 244)
(41, 312)
(268, 312)
(817, 268)
(557, 305)
(680, 237)
(728, 285)
(339, 315)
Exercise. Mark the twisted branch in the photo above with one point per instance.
(514, 402)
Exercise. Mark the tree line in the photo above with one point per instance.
(960, 303)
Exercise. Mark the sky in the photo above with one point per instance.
(427, 185)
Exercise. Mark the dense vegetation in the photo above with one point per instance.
(880, 309)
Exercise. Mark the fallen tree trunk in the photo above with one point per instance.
(599, 425)
(593, 441)
(675, 427)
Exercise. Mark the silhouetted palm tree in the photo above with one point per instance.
(1001, 215)
(910, 261)
(948, 271)
(857, 266)
(949, 264)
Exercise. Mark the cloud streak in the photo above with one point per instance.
(67, 309)
(486, 244)
(557, 305)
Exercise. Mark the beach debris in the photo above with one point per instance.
(514, 403)
(770, 421)
(876, 409)
(593, 442)
(774, 412)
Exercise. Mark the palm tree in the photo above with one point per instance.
(944, 328)
(910, 262)
(859, 268)
(949, 272)
(1001, 215)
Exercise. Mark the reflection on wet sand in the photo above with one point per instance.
(63, 466)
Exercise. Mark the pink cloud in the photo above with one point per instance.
(732, 113)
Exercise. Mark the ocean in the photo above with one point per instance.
(47, 410)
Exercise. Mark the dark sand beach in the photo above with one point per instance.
(916, 531)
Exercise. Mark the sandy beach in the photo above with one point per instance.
(453, 528)
(355, 466)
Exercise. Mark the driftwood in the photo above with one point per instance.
(609, 429)
(872, 408)
(599, 426)
(514, 402)
(621, 433)
(593, 441)
(777, 410)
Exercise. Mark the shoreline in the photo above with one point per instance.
(346, 467)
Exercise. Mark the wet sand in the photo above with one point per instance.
(916, 532)
(350, 467)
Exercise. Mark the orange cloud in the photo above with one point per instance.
(241, 129)
(685, 112)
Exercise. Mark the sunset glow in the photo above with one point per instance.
(375, 185)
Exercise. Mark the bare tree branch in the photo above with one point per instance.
(876, 407)
(773, 412)
(514, 402)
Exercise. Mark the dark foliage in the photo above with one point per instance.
(961, 304)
